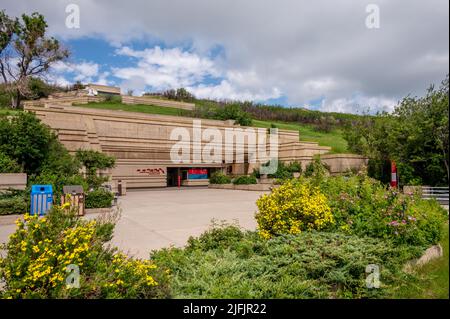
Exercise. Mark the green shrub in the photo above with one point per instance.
(245, 180)
(8, 165)
(112, 98)
(33, 146)
(16, 204)
(308, 265)
(220, 235)
(365, 207)
(316, 170)
(219, 178)
(40, 250)
(99, 198)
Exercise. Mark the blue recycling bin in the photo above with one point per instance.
(41, 199)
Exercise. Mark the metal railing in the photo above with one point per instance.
(441, 194)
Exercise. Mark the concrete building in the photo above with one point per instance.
(141, 144)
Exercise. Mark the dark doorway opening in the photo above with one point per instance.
(172, 176)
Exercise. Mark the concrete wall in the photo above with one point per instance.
(341, 163)
(13, 180)
(126, 99)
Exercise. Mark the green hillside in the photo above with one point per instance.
(334, 139)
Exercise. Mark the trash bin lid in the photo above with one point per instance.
(41, 189)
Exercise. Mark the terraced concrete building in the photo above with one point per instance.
(142, 145)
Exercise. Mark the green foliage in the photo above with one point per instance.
(307, 132)
(38, 253)
(228, 263)
(8, 165)
(245, 180)
(233, 111)
(415, 136)
(316, 170)
(112, 98)
(431, 280)
(363, 206)
(140, 108)
(219, 236)
(99, 198)
(285, 171)
(13, 204)
(219, 178)
(33, 146)
(93, 161)
(26, 42)
(320, 121)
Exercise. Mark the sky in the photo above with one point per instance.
(319, 55)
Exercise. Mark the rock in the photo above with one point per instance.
(431, 253)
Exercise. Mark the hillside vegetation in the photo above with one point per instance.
(308, 132)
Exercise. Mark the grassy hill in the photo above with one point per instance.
(334, 138)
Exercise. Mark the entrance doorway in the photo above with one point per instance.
(172, 176)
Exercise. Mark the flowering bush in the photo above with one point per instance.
(41, 249)
(291, 208)
(363, 206)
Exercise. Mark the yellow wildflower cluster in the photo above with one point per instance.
(125, 267)
(291, 208)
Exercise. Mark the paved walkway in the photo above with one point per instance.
(153, 219)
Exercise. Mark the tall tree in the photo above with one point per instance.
(415, 135)
(25, 52)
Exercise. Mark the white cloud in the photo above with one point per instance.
(174, 68)
(307, 50)
(84, 72)
(228, 91)
(359, 104)
(165, 68)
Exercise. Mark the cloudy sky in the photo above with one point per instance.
(314, 54)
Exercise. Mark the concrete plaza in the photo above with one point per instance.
(157, 218)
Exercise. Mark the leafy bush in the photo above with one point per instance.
(291, 208)
(112, 98)
(16, 204)
(219, 178)
(228, 263)
(41, 249)
(363, 206)
(93, 161)
(316, 170)
(233, 111)
(285, 171)
(99, 198)
(220, 235)
(8, 165)
(245, 180)
(33, 146)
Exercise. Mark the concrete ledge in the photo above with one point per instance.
(249, 187)
(13, 180)
(98, 210)
(9, 219)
